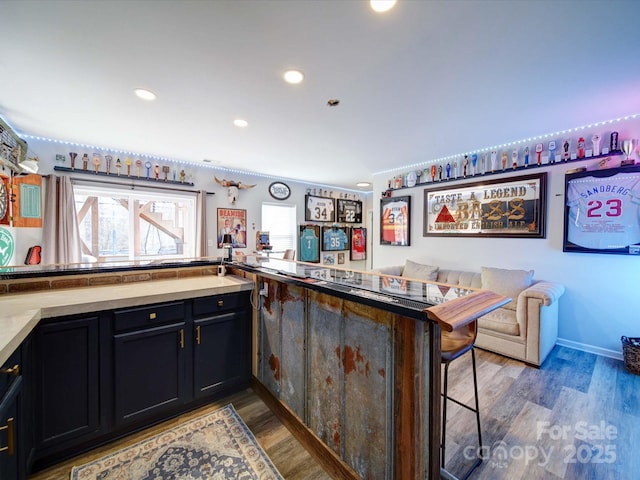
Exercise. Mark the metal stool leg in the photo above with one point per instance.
(476, 411)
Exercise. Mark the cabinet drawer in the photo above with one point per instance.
(220, 303)
(8, 373)
(149, 315)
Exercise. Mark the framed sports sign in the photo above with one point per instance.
(395, 221)
(335, 238)
(507, 207)
(602, 211)
(309, 243)
(358, 243)
(319, 209)
(232, 221)
(349, 211)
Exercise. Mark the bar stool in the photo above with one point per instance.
(453, 345)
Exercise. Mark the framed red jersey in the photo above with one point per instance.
(395, 221)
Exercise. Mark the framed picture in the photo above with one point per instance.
(328, 258)
(232, 221)
(319, 209)
(349, 211)
(602, 211)
(335, 238)
(358, 243)
(340, 258)
(508, 207)
(309, 243)
(395, 221)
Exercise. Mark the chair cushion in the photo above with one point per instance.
(420, 271)
(506, 282)
(501, 320)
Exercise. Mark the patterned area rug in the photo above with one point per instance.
(216, 446)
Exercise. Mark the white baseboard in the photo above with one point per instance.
(605, 352)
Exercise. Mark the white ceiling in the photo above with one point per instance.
(426, 80)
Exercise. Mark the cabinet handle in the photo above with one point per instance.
(198, 334)
(15, 370)
(152, 316)
(182, 338)
(220, 303)
(9, 428)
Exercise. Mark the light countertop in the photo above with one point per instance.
(21, 312)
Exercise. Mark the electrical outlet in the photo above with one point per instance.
(264, 291)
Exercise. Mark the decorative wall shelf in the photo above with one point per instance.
(529, 168)
(152, 180)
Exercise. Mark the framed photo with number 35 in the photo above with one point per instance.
(319, 209)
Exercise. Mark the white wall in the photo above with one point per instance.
(203, 179)
(602, 298)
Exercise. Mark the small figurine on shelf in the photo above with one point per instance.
(439, 173)
(138, 167)
(182, 175)
(613, 145)
(455, 169)
(118, 166)
(474, 163)
(581, 147)
(483, 164)
(108, 159)
(433, 172)
(127, 162)
(566, 145)
(156, 171)
(526, 156)
(85, 162)
(96, 161)
(504, 159)
(552, 151)
(166, 169)
(514, 159)
(595, 140)
(465, 165)
(494, 160)
(539, 149)
(448, 168)
(73, 156)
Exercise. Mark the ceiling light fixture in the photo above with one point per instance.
(363, 184)
(238, 122)
(382, 6)
(145, 94)
(293, 76)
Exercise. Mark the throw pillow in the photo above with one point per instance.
(506, 282)
(420, 271)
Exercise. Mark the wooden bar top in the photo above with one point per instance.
(456, 313)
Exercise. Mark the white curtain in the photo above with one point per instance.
(60, 235)
(201, 224)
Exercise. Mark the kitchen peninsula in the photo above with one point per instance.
(349, 360)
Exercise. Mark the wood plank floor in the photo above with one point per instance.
(577, 417)
(288, 455)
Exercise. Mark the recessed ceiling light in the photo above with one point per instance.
(145, 94)
(382, 6)
(293, 76)
(363, 184)
(238, 122)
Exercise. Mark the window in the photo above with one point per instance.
(280, 221)
(117, 223)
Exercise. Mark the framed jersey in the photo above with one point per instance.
(602, 211)
(395, 221)
(319, 209)
(349, 211)
(335, 238)
(358, 243)
(309, 243)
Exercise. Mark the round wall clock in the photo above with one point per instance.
(279, 190)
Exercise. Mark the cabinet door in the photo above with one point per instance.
(11, 453)
(67, 370)
(149, 372)
(221, 353)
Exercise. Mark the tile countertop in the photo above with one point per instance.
(21, 312)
